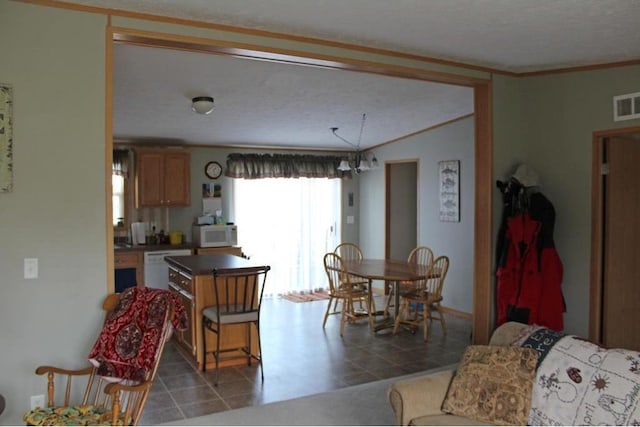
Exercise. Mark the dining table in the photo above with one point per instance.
(389, 270)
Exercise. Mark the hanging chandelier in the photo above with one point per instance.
(357, 161)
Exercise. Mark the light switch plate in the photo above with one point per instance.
(350, 219)
(31, 268)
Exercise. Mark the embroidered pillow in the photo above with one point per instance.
(493, 384)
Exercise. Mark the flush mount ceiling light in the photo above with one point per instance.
(202, 104)
(358, 161)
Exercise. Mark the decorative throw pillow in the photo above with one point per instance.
(493, 384)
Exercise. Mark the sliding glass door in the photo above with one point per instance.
(290, 224)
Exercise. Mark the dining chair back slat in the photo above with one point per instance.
(238, 296)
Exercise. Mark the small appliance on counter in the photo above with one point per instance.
(205, 220)
(209, 236)
(138, 233)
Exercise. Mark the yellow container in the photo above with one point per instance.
(175, 237)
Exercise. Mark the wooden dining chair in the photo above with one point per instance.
(238, 297)
(426, 295)
(108, 399)
(422, 255)
(342, 290)
(351, 251)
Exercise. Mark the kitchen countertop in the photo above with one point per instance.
(148, 248)
(197, 265)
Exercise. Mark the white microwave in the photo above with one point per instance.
(209, 236)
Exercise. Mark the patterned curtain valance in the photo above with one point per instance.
(255, 166)
(120, 165)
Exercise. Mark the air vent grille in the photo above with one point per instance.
(626, 107)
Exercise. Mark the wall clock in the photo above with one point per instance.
(213, 170)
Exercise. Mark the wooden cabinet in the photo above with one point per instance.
(232, 250)
(128, 269)
(162, 178)
(181, 285)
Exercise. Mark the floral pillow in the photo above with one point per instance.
(493, 384)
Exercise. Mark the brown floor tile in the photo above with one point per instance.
(160, 400)
(234, 388)
(165, 415)
(244, 400)
(187, 379)
(194, 394)
(204, 408)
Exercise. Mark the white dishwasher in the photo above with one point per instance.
(156, 269)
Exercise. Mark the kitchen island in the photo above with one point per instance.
(191, 279)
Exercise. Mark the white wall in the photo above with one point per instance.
(454, 239)
(56, 212)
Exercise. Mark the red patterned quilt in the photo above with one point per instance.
(129, 343)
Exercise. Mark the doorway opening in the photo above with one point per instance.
(401, 207)
(483, 235)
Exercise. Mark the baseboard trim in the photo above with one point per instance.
(457, 313)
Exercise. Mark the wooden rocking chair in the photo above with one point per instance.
(107, 400)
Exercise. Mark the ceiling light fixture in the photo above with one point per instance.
(358, 161)
(202, 104)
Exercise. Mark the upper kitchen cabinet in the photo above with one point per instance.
(162, 178)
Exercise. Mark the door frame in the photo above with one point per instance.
(482, 97)
(597, 229)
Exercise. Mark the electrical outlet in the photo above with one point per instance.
(37, 401)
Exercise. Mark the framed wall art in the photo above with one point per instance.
(6, 138)
(449, 173)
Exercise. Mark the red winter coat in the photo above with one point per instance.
(529, 276)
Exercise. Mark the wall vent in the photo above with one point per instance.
(626, 107)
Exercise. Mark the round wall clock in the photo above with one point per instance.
(213, 170)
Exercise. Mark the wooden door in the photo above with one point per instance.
(621, 269)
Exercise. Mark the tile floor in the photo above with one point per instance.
(300, 358)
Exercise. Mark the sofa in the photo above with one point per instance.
(418, 401)
(569, 381)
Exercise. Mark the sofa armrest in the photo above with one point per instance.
(420, 396)
(507, 333)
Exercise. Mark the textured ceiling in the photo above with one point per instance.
(268, 104)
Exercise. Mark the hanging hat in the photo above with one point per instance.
(526, 176)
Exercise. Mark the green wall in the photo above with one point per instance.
(55, 62)
(551, 129)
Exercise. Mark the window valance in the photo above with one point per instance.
(255, 166)
(120, 165)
